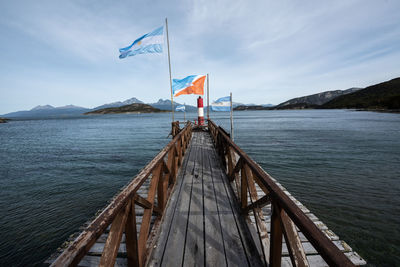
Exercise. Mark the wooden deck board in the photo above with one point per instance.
(202, 224)
(203, 200)
(194, 240)
(239, 245)
(214, 243)
(173, 250)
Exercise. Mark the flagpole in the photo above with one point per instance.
(184, 113)
(232, 119)
(169, 65)
(208, 99)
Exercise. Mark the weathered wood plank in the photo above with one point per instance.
(214, 243)
(157, 255)
(239, 251)
(174, 247)
(144, 229)
(293, 242)
(259, 203)
(257, 212)
(131, 238)
(114, 238)
(276, 237)
(82, 244)
(91, 261)
(243, 188)
(194, 242)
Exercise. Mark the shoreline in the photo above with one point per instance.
(3, 120)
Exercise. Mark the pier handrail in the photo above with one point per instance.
(120, 213)
(286, 215)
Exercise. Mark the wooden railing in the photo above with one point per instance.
(244, 174)
(121, 214)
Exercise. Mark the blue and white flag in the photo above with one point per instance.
(222, 104)
(180, 108)
(149, 43)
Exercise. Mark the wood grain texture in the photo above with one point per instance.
(205, 229)
(112, 244)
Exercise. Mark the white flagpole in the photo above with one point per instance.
(169, 65)
(232, 119)
(184, 113)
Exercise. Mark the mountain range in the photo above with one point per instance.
(384, 95)
(381, 96)
(315, 99)
(48, 111)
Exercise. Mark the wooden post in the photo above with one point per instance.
(230, 161)
(243, 187)
(111, 246)
(146, 219)
(293, 242)
(258, 214)
(179, 152)
(161, 192)
(276, 237)
(131, 237)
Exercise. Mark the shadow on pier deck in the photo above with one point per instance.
(203, 225)
(202, 201)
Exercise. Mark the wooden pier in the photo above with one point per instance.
(202, 201)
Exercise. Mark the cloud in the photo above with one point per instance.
(263, 51)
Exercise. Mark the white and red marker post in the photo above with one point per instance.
(200, 111)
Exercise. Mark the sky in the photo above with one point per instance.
(66, 52)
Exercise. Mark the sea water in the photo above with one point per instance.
(55, 174)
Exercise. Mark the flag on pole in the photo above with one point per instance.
(149, 43)
(180, 108)
(193, 84)
(222, 104)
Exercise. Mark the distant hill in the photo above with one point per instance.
(315, 99)
(48, 111)
(45, 107)
(384, 95)
(3, 120)
(166, 105)
(129, 101)
(132, 108)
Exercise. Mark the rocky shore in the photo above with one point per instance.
(3, 120)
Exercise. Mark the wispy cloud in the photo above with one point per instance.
(263, 51)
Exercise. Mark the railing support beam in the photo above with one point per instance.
(276, 237)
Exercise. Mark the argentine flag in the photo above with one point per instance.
(149, 43)
(222, 104)
(180, 108)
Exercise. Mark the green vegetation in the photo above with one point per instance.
(382, 96)
(132, 108)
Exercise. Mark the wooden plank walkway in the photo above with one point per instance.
(202, 225)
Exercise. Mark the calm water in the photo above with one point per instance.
(343, 165)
